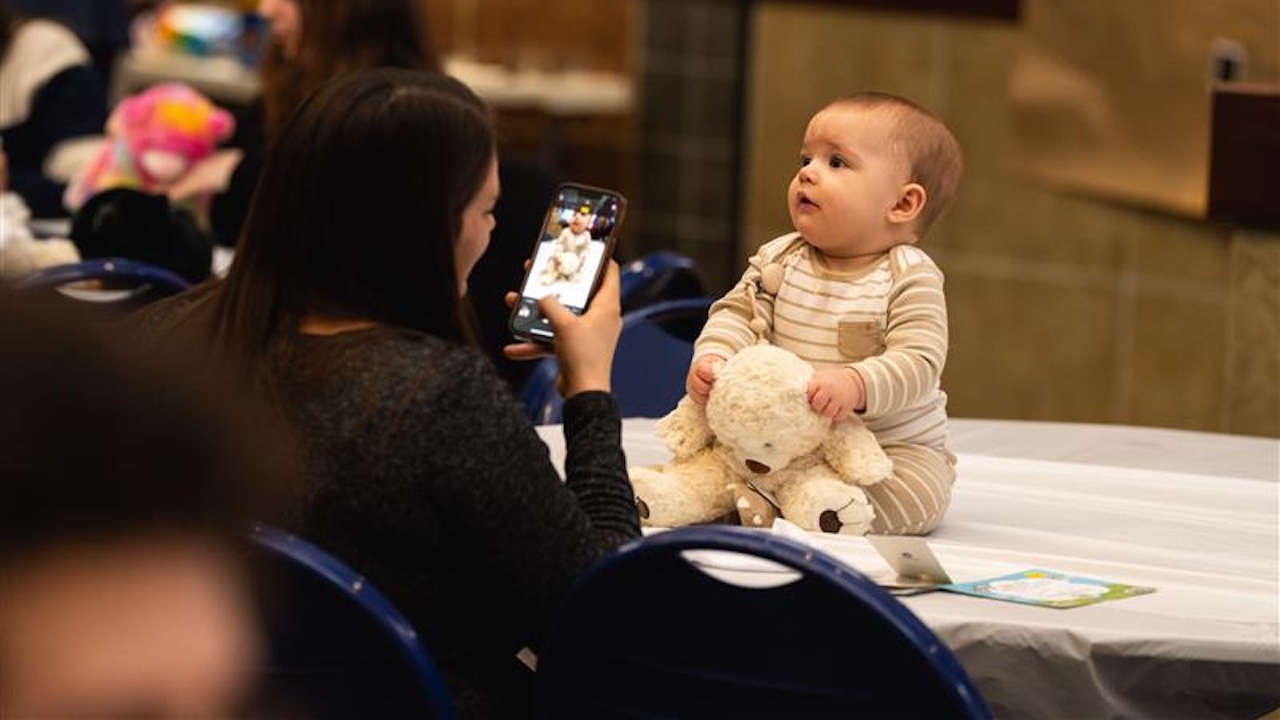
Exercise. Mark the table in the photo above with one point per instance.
(560, 94)
(1192, 514)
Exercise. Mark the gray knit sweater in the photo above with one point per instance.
(424, 475)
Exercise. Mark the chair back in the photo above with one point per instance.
(649, 365)
(720, 621)
(657, 277)
(106, 288)
(338, 648)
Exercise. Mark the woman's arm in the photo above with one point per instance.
(523, 534)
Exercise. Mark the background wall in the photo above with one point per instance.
(553, 35)
(547, 34)
(1069, 300)
(1062, 306)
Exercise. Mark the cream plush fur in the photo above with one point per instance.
(759, 449)
(20, 252)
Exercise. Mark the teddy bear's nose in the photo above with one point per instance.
(757, 467)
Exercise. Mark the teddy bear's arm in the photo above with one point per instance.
(684, 430)
(854, 453)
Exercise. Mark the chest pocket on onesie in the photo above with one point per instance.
(859, 337)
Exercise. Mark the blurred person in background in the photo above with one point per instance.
(102, 25)
(53, 107)
(126, 488)
(314, 40)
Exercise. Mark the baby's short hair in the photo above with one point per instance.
(927, 143)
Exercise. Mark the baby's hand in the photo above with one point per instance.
(835, 392)
(702, 374)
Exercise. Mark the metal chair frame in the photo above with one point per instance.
(541, 400)
(662, 628)
(345, 581)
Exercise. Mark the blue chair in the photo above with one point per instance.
(657, 277)
(338, 648)
(759, 627)
(121, 286)
(649, 366)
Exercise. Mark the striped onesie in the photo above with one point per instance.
(888, 322)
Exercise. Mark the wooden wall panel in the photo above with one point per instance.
(542, 34)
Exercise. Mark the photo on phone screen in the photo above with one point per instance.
(577, 240)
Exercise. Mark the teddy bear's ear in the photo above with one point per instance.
(685, 429)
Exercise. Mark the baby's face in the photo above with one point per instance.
(578, 223)
(850, 178)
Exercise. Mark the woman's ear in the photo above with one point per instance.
(910, 202)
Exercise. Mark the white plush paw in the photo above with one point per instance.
(855, 518)
(872, 468)
(831, 506)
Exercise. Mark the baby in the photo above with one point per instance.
(851, 294)
(569, 251)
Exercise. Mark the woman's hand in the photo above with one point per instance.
(584, 344)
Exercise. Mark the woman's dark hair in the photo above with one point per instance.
(357, 212)
(342, 36)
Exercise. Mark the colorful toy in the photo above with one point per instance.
(153, 139)
(197, 28)
(758, 448)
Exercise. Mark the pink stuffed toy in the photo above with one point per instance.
(153, 139)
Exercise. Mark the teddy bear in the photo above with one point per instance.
(757, 448)
(153, 139)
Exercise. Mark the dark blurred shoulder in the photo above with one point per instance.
(160, 319)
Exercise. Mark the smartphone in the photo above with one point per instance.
(569, 256)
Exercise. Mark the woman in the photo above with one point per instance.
(317, 39)
(314, 40)
(345, 304)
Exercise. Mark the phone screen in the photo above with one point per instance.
(576, 241)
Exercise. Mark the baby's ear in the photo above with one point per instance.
(910, 203)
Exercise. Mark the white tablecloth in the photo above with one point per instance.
(1192, 514)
